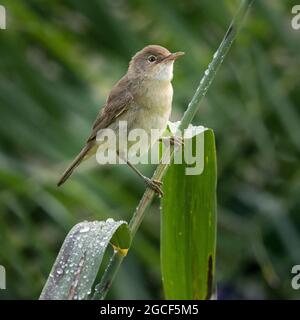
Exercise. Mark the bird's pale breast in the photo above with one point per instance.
(153, 108)
(150, 110)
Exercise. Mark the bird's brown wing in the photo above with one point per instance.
(118, 102)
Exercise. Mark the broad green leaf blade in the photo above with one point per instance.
(80, 257)
(188, 226)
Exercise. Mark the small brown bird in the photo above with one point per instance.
(143, 98)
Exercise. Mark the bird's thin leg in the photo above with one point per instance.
(153, 184)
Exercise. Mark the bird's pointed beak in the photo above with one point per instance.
(174, 56)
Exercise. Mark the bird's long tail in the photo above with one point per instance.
(83, 153)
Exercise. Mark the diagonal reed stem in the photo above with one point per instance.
(103, 287)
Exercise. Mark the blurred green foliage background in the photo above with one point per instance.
(58, 61)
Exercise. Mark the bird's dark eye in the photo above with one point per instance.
(151, 58)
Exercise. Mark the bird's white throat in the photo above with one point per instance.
(164, 71)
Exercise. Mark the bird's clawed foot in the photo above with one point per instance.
(155, 185)
(176, 141)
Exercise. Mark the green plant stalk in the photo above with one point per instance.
(116, 260)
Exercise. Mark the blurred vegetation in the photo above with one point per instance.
(58, 61)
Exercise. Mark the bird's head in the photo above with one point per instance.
(153, 62)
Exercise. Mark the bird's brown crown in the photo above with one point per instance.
(153, 62)
(156, 51)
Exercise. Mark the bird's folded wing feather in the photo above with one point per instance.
(118, 102)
